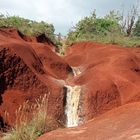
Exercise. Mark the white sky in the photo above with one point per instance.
(61, 13)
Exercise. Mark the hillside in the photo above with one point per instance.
(110, 92)
(26, 74)
(118, 124)
(94, 88)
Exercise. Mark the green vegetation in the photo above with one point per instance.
(28, 27)
(93, 28)
(137, 28)
(114, 28)
(31, 121)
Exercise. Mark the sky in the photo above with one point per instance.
(63, 14)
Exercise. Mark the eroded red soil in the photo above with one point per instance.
(110, 81)
(121, 123)
(28, 69)
(110, 76)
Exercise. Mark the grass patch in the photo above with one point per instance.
(110, 39)
(31, 121)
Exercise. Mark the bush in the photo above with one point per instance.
(97, 29)
(28, 27)
(108, 29)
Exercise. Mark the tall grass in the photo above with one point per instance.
(110, 39)
(31, 121)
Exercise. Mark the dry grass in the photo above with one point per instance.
(31, 121)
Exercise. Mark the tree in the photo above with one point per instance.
(128, 22)
(92, 26)
(137, 28)
(114, 16)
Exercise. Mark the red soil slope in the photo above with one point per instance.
(29, 69)
(121, 123)
(110, 76)
(110, 80)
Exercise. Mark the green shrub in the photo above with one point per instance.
(92, 27)
(106, 29)
(28, 27)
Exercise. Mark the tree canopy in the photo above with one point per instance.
(137, 28)
(92, 26)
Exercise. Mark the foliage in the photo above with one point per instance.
(108, 29)
(137, 28)
(92, 27)
(28, 27)
(129, 19)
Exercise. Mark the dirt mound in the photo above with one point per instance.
(121, 123)
(23, 75)
(13, 34)
(110, 76)
(9, 33)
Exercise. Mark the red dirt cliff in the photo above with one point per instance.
(29, 70)
(110, 76)
(110, 97)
